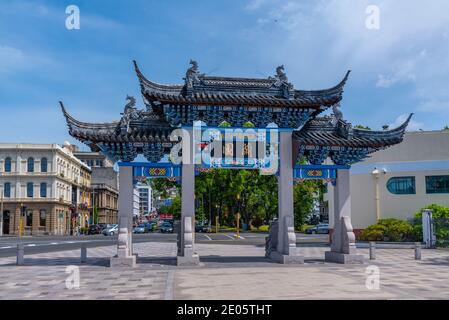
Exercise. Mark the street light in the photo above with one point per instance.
(376, 173)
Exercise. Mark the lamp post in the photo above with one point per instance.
(238, 216)
(376, 173)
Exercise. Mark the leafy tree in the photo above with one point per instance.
(174, 208)
(305, 195)
(223, 193)
(361, 126)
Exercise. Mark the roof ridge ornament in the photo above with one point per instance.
(281, 82)
(130, 113)
(192, 76)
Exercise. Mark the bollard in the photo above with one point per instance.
(417, 250)
(20, 253)
(83, 253)
(372, 250)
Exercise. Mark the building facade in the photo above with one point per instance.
(145, 199)
(45, 189)
(104, 208)
(399, 181)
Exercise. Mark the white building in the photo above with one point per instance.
(44, 187)
(145, 196)
(399, 181)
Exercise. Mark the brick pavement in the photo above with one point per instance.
(227, 272)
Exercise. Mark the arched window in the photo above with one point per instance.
(402, 185)
(7, 190)
(30, 165)
(8, 164)
(43, 190)
(44, 165)
(30, 190)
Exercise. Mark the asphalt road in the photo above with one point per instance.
(42, 244)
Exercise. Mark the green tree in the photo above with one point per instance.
(361, 126)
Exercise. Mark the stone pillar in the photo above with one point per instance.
(343, 248)
(186, 251)
(286, 250)
(125, 257)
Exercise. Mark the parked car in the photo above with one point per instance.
(201, 228)
(166, 227)
(150, 226)
(141, 228)
(94, 229)
(318, 229)
(111, 231)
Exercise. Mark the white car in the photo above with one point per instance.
(111, 230)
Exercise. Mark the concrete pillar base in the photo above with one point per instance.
(191, 260)
(343, 258)
(127, 262)
(286, 258)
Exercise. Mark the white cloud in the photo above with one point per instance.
(11, 58)
(255, 4)
(322, 38)
(404, 72)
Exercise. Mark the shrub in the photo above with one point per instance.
(440, 215)
(388, 230)
(374, 232)
(396, 230)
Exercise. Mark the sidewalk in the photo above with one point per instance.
(228, 272)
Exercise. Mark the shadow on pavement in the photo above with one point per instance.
(101, 262)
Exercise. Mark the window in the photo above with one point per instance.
(99, 163)
(43, 190)
(402, 185)
(42, 217)
(30, 190)
(437, 184)
(30, 165)
(7, 190)
(8, 164)
(44, 165)
(29, 218)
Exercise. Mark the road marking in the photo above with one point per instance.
(53, 243)
(5, 247)
(227, 235)
(207, 237)
(238, 236)
(31, 245)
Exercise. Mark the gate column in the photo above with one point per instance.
(125, 257)
(343, 248)
(286, 250)
(186, 235)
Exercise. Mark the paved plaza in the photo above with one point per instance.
(226, 272)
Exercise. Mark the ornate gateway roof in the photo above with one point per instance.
(333, 137)
(235, 101)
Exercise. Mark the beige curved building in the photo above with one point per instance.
(399, 181)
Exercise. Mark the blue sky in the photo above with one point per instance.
(403, 67)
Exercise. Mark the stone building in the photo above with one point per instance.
(45, 188)
(104, 208)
